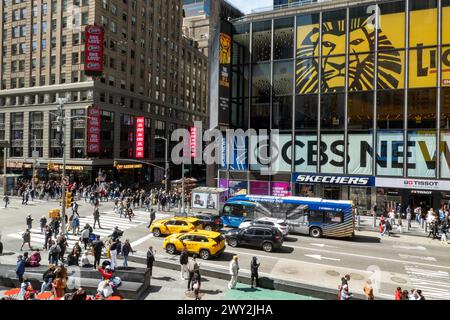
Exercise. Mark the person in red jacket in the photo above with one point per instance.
(106, 273)
(398, 294)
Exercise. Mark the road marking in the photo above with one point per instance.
(406, 256)
(322, 245)
(319, 257)
(434, 284)
(142, 240)
(410, 247)
(366, 257)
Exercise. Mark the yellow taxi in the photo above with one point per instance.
(175, 225)
(204, 243)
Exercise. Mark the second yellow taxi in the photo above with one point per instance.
(175, 225)
(205, 244)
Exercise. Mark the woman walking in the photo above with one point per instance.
(234, 271)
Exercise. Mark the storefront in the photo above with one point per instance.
(412, 192)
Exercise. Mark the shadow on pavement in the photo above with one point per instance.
(154, 289)
(290, 239)
(363, 239)
(211, 292)
(167, 278)
(248, 289)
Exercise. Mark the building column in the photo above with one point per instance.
(68, 135)
(26, 135)
(46, 136)
(8, 127)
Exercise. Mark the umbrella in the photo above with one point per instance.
(114, 298)
(12, 292)
(45, 295)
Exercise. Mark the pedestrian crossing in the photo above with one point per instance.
(435, 285)
(108, 222)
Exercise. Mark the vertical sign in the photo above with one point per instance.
(193, 143)
(140, 130)
(224, 73)
(93, 52)
(93, 128)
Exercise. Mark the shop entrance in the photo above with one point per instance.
(419, 198)
(331, 193)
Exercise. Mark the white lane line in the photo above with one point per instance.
(366, 257)
(406, 256)
(142, 240)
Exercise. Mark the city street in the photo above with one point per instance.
(400, 260)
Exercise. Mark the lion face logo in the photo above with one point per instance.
(225, 49)
(361, 61)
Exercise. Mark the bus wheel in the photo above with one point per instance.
(315, 232)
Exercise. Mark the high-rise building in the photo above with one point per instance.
(287, 3)
(358, 93)
(201, 17)
(149, 70)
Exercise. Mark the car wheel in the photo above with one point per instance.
(315, 232)
(170, 248)
(208, 228)
(204, 254)
(267, 247)
(233, 242)
(156, 232)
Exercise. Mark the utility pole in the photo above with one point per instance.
(166, 173)
(34, 156)
(62, 131)
(182, 189)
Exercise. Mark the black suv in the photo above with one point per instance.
(210, 222)
(266, 238)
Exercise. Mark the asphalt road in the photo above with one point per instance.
(389, 262)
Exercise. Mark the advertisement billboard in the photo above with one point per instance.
(259, 188)
(93, 59)
(140, 137)
(280, 189)
(202, 200)
(93, 130)
(224, 72)
(193, 142)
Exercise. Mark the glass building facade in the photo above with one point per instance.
(358, 92)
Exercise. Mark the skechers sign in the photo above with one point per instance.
(340, 180)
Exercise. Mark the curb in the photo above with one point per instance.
(264, 281)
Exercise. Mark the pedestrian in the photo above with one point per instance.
(48, 236)
(20, 268)
(345, 294)
(184, 259)
(85, 236)
(43, 223)
(345, 279)
(196, 284)
(29, 221)
(97, 247)
(368, 290)
(405, 295)
(444, 232)
(97, 217)
(399, 225)
(126, 249)
(48, 277)
(192, 268)
(6, 200)
(54, 252)
(85, 263)
(398, 293)
(408, 216)
(150, 260)
(387, 227)
(26, 238)
(421, 296)
(254, 265)
(76, 225)
(62, 242)
(113, 253)
(234, 271)
(152, 217)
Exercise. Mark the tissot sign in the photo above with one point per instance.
(329, 179)
(420, 184)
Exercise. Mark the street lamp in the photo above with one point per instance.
(34, 155)
(167, 161)
(62, 128)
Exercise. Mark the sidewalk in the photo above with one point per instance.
(366, 224)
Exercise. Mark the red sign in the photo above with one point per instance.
(140, 131)
(93, 51)
(193, 142)
(93, 128)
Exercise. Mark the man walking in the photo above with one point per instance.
(6, 200)
(85, 237)
(184, 259)
(29, 222)
(192, 268)
(150, 260)
(152, 217)
(98, 246)
(254, 265)
(126, 249)
(20, 268)
(234, 271)
(26, 237)
(97, 217)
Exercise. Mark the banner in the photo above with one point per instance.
(193, 143)
(422, 154)
(93, 62)
(445, 155)
(280, 189)
(224, 72)
(93, 130)
(140, 137)
(391, 59)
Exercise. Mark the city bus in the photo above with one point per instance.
(312, 216)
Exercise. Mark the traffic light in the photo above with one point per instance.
(68, 199)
